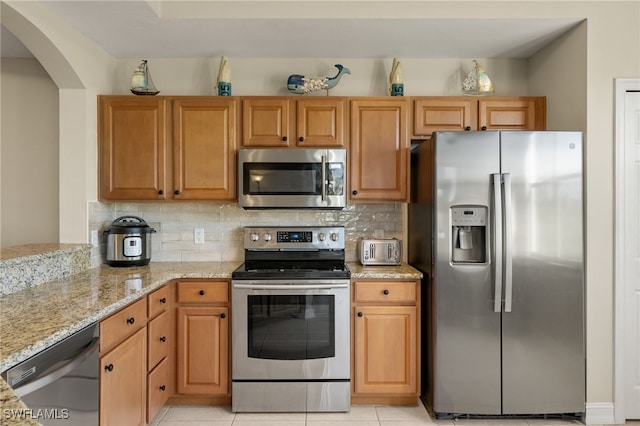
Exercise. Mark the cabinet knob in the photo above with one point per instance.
(223, 315)
(163, 300)
(163, 388)
(354, 192)
(160, 192)
(484, 127)
(177, 192)
(109, 367)
(359, 314)
(284, 138)
(163, 339)
(131, 320)
(386, 291)
(467, 128)
(201, 292)
(301, 139)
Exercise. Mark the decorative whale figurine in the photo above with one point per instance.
(300, 84)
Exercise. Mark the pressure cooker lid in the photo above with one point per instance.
(130, 225)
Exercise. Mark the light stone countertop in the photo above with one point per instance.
(37, 317)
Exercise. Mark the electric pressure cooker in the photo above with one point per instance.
(128, 242)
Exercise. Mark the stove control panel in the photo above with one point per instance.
(294, 238)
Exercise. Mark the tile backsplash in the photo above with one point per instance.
(223, 224)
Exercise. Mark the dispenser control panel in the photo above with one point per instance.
(469, 216)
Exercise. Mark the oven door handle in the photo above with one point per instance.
(290, 286)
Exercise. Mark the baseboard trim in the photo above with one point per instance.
(600, 413)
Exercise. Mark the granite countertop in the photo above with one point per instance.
(37, 317)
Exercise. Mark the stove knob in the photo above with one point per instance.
(255, 237)
(267, 237)
(334, 236)
(321, 236)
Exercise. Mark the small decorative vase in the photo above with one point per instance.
(224, 77)
(396, 83)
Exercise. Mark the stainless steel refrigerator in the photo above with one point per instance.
(496, 226)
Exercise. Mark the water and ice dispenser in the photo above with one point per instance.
(469, 234)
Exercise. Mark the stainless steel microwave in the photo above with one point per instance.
(292, 178)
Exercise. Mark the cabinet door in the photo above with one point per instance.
(132, 145)
(444, 114)
(204, 132)
(320, 122)
(158, 389)
(158, 331)
(385, 346)
(203, 350)
(379, 150)
(123, 383)
(266, 122)
(512, 114)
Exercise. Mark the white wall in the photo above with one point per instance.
(29, 154)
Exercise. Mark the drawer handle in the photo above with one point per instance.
(131, 320)
(386, 291)
(223, 315)
(163, 339)
(163, 388)
(201, 292)
(163, 300)
(359, 314)
(109, 367)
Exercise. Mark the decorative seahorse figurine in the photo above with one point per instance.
(300, 84)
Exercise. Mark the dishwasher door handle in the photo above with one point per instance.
(43, 381)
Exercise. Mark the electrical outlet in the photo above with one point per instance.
(198, 235)
(94, 238)
(378, 233)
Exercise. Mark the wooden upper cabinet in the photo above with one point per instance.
(444, 114)
(523, 113)
(158, 148)
(320, 122)
(204, 142)
(460, 113)
(289, 122)
(132, 148)
(266, 122)
(379, 153)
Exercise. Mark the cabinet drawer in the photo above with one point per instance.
(158, 331)
(203, 292)
(386, 291)
(157, 389)
(157, 301)
(122, 324)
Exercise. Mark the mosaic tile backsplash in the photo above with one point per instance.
(223, 224)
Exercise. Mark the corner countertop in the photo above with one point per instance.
(37, 317)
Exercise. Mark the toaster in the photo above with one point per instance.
(380, 251)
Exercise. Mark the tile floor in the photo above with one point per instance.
(358, 416)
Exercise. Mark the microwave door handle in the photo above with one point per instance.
(324, 177)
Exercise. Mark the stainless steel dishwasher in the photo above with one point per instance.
(60, 385)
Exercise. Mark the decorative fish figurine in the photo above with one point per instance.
(300, 84)
(141, 82)
(477, 82)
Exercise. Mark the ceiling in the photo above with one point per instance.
(134, 29)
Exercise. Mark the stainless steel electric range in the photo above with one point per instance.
(290, 305)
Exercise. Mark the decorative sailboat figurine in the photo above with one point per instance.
(141, 82)
(477, 82)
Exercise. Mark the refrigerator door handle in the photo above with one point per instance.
(497, 233)
(508, 255)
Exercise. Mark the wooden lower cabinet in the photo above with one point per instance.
(385, 342)
(157, 388)
(203, 348)
(123, 382)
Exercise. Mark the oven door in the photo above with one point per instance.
(291, 330)
(291, 178)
